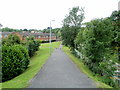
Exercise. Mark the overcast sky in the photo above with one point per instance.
(36, 14)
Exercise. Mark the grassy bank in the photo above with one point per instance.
(53, 45)
(84, 68)
(36, 62)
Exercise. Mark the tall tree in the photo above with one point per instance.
(115, 16)
(6, 29)
(75, 17)
(71, 26)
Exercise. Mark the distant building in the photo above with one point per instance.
(24, 35)
(5, 34)
(18, 34)
(35, 31)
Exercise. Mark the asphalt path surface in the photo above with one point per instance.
(60, 72)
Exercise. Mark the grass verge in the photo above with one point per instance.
(84, 68)
(53, 45)
(36, 62)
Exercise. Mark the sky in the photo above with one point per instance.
(37, 14)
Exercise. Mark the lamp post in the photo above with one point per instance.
(50, 35)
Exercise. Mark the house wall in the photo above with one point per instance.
(17, 34)
(4, 36)
(46, 38)
(40, 37)
(14, 33)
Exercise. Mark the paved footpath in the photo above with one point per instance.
(60, 72)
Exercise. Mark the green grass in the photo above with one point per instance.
(0, 86)
(53, 44)
(84, 68)
(36, 63)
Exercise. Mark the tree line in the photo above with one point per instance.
(56, 31)
(98, 41)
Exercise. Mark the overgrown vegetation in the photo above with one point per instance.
(84, 68)
(15, 55)
(71, 25)
(97, 42)
(32, 45)
(15, 60)
(95, 46)
(11, 40)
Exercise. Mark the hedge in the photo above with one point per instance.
(15, 60)
(32, 46)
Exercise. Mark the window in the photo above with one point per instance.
(38, 36)
(5, 35)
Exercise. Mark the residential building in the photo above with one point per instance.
(24, 35)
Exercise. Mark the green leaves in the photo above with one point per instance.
(75, 17)
(15, 56)
(71, 26)
(15, 60)
(12, 39)
(94, 42)
(32, 46)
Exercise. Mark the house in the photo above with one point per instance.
(6, 34)
(24, 35)
(18, 34)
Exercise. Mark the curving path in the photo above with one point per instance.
(60, 72)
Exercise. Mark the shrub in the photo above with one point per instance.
(12, 39)
(6, 41)
(15, 60)
(94, 42)
(37, 44)
(32, 45)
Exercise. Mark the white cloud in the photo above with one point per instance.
(38, 13)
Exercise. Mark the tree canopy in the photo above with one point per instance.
(71, 25)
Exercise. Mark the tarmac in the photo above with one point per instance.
(60, 72)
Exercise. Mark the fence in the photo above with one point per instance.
(117, 72)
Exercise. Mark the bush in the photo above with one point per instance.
(15, 60)
(95, 43)
(11, 40)
(14, 39)
(37, 44)
(32, 46)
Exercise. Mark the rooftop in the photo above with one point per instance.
(28, 33)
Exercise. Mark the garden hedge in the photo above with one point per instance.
(32, 46)
(15, 60)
